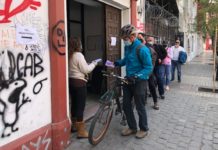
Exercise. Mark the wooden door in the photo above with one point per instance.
(113, 25)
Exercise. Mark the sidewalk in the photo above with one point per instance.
(187, 119)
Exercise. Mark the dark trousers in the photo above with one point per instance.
(78, 101)
(159, 73)
(176, 65)
(152, 87)
(137, 91)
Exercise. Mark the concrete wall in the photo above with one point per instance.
(25, 96)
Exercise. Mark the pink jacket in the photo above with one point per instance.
(167, 60)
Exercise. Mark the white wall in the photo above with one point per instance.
(121, 4)
(187, 14)
(30, 92)
(126, 19)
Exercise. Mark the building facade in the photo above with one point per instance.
(34, 101)
(193, 42)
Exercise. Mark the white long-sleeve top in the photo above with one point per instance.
(175, 52)
(78, 67)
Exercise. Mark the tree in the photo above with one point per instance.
(207, 20)
(207, 17)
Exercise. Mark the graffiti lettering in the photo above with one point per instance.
(7, 12)
(39, 85)
(41, 142)
(32, 62)
(58, 37)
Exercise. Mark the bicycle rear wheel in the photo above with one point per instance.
(100, 123)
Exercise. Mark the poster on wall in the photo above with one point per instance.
(26, 35)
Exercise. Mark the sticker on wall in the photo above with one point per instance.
(113, 41)
(26, 35)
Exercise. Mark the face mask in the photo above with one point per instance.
(150, 42)
(127, 43)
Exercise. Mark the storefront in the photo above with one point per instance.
(34, 103)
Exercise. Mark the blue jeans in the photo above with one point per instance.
(138, 91)
(176, 64)
(167, 73)
(160, 72)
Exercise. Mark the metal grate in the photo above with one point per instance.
(206, 89)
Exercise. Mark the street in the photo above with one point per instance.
(187, 119)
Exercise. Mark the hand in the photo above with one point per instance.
(159, 61)
(132, 79)
(116, 63)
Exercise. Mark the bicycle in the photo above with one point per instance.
(103, 116)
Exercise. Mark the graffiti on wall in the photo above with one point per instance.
(58, 37)
(40, 142)
(44, 142)
(7, 12)
(13, 70)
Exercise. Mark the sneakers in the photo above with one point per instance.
(141, 134)
(127, 132)
(156, 107)
(167, 88)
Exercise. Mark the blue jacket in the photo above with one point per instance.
(132, 63)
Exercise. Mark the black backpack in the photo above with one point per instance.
(161, 51)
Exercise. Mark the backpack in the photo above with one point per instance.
(182, 57)
(161, 51)
(152, 51)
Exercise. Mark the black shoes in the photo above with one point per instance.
(156, 107)
(162, 97)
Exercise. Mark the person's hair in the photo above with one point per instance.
(74, 45)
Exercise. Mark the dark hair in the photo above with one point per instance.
(74, 45)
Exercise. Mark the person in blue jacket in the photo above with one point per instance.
(138, 69)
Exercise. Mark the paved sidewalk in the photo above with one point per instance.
(187, 119)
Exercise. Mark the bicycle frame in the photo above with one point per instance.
(105, 112)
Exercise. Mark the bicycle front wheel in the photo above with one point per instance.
(100, 124)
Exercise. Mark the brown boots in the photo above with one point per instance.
(81, 131)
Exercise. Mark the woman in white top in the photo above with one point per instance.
(78, 70)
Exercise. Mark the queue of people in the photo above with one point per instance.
(147, 64)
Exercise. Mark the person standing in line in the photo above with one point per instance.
(78, 70)
(138, 69)
(152, 79)
(167, 67)
(175, 63)
(159, 68)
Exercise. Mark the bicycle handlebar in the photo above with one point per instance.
(108, 74)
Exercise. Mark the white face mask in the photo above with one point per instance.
(127, 43)
(150, 42)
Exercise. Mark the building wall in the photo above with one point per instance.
(25, 96)
(187, 15)
(121, 4)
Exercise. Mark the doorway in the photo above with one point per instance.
(96, 24)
